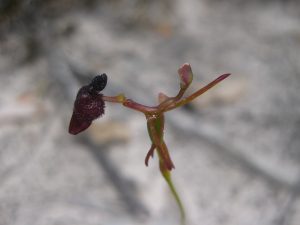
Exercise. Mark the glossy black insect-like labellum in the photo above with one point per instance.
(88, 105)
(98, 83)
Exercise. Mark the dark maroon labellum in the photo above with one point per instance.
(88, 105)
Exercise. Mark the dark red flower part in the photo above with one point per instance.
(88, 105)
(149, 154)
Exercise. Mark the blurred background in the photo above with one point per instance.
(236, 149)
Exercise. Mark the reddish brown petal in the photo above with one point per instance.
(150, 153)
(166, 159)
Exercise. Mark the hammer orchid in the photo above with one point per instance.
(90, 102)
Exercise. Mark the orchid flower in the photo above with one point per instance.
(90, 102)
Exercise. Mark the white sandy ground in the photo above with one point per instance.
(236, 150)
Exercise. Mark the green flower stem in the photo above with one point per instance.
(155, 129)
(167, 176)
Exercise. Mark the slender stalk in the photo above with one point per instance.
(197, 93)
(114, 99)
(139, 107)
(167, 176)
(165, 104)
(129, 103)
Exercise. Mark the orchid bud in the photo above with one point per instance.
(185, 75)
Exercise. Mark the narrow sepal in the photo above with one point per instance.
(149, 154)
(162, 97)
